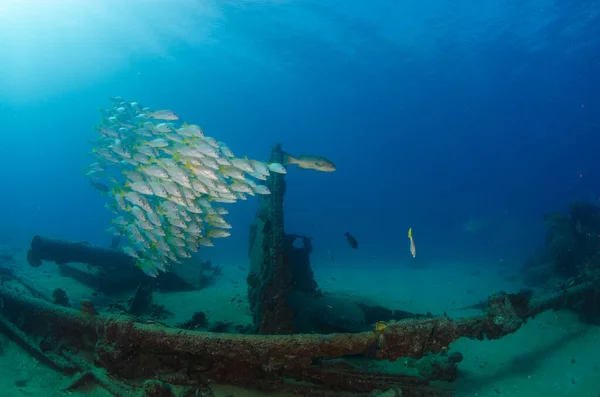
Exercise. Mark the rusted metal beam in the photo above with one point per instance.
(130, 350)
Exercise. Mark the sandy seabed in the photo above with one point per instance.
(553, 355)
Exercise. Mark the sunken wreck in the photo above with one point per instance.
(296, 344)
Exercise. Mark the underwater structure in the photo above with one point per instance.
(89, 346)
(114, 270)
(270, 277)
(128, 354)
(570, 255)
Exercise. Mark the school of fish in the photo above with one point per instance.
(166, 182)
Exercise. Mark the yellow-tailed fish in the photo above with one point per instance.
(168, 115)
(413, 249)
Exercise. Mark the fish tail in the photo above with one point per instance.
(289, 159)
(410, 232)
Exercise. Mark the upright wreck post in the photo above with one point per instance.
(270, 277)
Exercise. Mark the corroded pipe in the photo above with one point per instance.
(132, 350)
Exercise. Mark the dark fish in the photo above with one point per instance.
(351, 240)
(100, 186)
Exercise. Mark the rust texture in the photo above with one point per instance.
(270, 277)
(129, 350)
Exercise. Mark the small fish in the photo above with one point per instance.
(168, 115)
(162, 179)
(211, 141)
(277, 168)
(218, 233)
(191, 130)
(380, 326)
(413, 249)
(225, 150)
(308, 162)
(261, 189)
(242, 164)
(351, 240)
(161, 128)
(140, 187)
(154, 171)
(158, 142)
(260, 167)
(205, 241)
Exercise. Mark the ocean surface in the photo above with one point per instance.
(466, 121)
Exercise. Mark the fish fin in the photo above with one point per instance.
(410, 232)
(289, 159)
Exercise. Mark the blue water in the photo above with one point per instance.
(435, 113)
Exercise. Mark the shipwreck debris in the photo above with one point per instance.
(303, 279)
(113, 270)
(128, 350)
(87, 307)
(141, 301)
(89, 374)
(570, 255)
(441, 366)
(283, 294)
(198, 321)
(49, 358)
(61, 252)
(120, 354)
(270, 277)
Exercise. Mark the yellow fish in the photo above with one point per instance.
(413, 249)
(380, 326)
